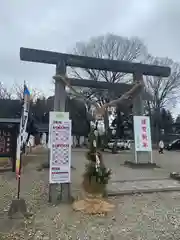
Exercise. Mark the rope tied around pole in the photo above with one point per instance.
(132, 93)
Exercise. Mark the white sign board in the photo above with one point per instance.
(56, 115)
(142, 134)
(60, 150)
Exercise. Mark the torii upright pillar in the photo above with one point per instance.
(138, 110)
(62, 194)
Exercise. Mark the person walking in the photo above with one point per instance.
(161, 147)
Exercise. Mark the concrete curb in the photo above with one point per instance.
(140, 180)
(5, 169)
(140, 191)
(134, 165)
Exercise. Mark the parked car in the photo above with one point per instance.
(121, 145)
(174, 145)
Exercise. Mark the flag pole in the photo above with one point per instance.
(19, 154)
(19, 205)
(21, 140)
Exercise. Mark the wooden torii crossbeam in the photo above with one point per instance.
(117, 88)
(62, 60)
(49, 57)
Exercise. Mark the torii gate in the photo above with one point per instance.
(61, 61)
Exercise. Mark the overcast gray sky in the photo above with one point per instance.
(58, 25)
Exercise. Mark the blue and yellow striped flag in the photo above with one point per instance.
(26, 94)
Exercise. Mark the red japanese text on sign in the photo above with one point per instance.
(144, 137)
(144, 133)
(144, 129)
(143, 122)
(145, 144)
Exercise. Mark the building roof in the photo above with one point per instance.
(10, 120)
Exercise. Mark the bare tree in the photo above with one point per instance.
(164, 91)
(4, 92)
(111, 47)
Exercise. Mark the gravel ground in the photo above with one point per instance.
(137, 217)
